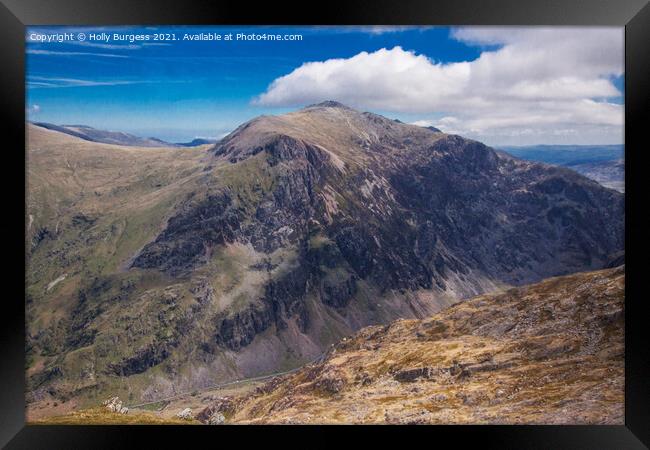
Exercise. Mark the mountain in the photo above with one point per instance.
(566, 155)
(548, 353)
(610, 174)
(197, 142)
(118, 137)
(106, 137)
(602, 163)
(153, 271)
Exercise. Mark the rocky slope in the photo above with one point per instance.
(548, 353)
(153, 271)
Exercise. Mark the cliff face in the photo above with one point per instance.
(360, 198)
(182, 268)
(548, 353)
(402, 205)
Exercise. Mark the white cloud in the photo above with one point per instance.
(542, 82)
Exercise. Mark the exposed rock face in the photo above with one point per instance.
(288, 234)
(185, 414)
(215, 414)
(114, 404)
(397, 206)
(548, 353)
(141, 360)
(216, 419)
(419, 203)
(212, 221)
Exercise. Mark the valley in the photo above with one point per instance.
(548, 353)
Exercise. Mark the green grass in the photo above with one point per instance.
(250, 180)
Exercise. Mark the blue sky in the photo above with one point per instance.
(460, 79)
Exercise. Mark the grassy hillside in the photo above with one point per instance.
(90, 208)
(102, 416)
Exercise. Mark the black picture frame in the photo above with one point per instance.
(16, 14)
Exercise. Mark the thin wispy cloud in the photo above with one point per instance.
(56, 82)
(383, 29)
(50, 82)
(370, 29)
(66, 53)
(156, 44)
(107, 46)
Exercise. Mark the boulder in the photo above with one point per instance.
(410, 375)
(114, 404)
(185, 414)
(216, 419)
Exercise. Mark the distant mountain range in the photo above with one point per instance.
(602, 163)
(118, 137)
(153, 271)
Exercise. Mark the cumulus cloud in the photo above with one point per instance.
(532, 81)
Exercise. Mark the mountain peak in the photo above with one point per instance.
(328, 104)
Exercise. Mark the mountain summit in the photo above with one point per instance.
(328, 104)
(171, 271)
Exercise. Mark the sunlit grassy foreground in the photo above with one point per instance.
(102, 416)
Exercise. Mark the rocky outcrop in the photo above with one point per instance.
(216, 412)
(185, 414)
(114, 404)
(282, 299)
(337, 292)
(239, 329)
(410, 375)
(548, 353)
(201, 224)
(140, 360)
